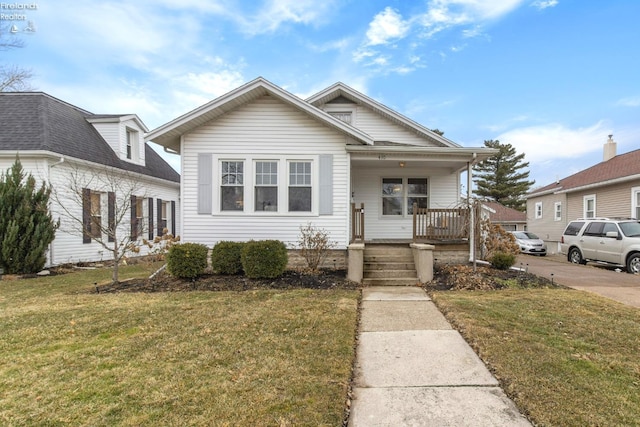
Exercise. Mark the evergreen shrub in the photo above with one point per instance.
(226, 257)
(502, 260)
(187, 260)
(264, 259)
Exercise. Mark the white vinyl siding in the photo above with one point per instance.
(265, 130)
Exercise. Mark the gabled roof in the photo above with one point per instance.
(169, 134)
(500, 213)
(620, 168)
(339, 91)
(36, 121)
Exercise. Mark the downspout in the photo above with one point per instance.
(59, 162)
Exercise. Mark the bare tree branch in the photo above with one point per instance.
(12, 77)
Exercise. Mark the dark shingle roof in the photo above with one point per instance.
(36, 121)
(504, 214)
(620, 166)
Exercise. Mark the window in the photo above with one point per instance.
(140, 216)
(232, 186)
(538, 210)
(557, 211)
(345, 116)
(266, 186)
(589, 206)
(95, 229)
(132, 144)
(163, 217)
(392, 195)
(416, 193)
(635, 202)
(399, 195)
(300, 186)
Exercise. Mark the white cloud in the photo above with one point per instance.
(446, 13)
(275, 13)
(633, 101)
(555, 141)
(386, 26)
(543, 4)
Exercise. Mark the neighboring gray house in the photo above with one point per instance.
(58, 142)
(259, 162)
(609, 189)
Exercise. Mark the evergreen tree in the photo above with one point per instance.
(502, 178)
(26, 225)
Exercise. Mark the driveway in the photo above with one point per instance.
(605, 281)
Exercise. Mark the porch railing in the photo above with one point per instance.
(357, 223)
(440, 224)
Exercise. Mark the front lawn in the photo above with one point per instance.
(567, 358)
(70, 356)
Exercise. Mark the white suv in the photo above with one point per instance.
(614, 241)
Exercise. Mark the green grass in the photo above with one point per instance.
(264, 357)
(567, 358)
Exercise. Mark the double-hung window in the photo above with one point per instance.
(232, 186)
(557, 211)
(635, 202)
(266, 186)
(95, 228)
(399, 195)
(299, 186)
(538, 210)
(589, 206)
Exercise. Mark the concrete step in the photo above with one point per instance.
(388, 258)
(390, 274)
(387, 250)
(368, 266)
(406, 281)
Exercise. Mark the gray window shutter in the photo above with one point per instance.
(173, 218)
(134, 219)
(161, 224)
(205, 186)
(325, 170)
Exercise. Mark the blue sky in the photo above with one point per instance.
(551, 77)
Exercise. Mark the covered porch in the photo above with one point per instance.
(411, 196)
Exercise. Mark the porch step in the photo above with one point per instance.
(390, 282)
(389, 265)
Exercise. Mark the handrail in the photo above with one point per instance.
(357, 223)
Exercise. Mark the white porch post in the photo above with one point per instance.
(472, 219)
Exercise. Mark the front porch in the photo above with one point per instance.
(439, 236)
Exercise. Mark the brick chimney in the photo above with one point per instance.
(609, 149)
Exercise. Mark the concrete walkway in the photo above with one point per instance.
(413, 369)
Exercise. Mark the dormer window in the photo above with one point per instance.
(132, 144)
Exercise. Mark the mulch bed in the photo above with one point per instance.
(291, 279)
(465, 277)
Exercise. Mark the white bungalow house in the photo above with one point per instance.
(259, 162)
(98, 166)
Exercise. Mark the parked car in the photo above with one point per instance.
(612, 241)
(530, 243)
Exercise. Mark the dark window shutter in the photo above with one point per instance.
(111, 207)
(86, 215)
(134, 219)
(173, 218)
(205, 185)
(161, 225)
(150, 218)
(325, 171)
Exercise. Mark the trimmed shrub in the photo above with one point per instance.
(226, 257)
(187, 261)
(265, 259)
(502, 260)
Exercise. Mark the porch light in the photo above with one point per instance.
(402, 164)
